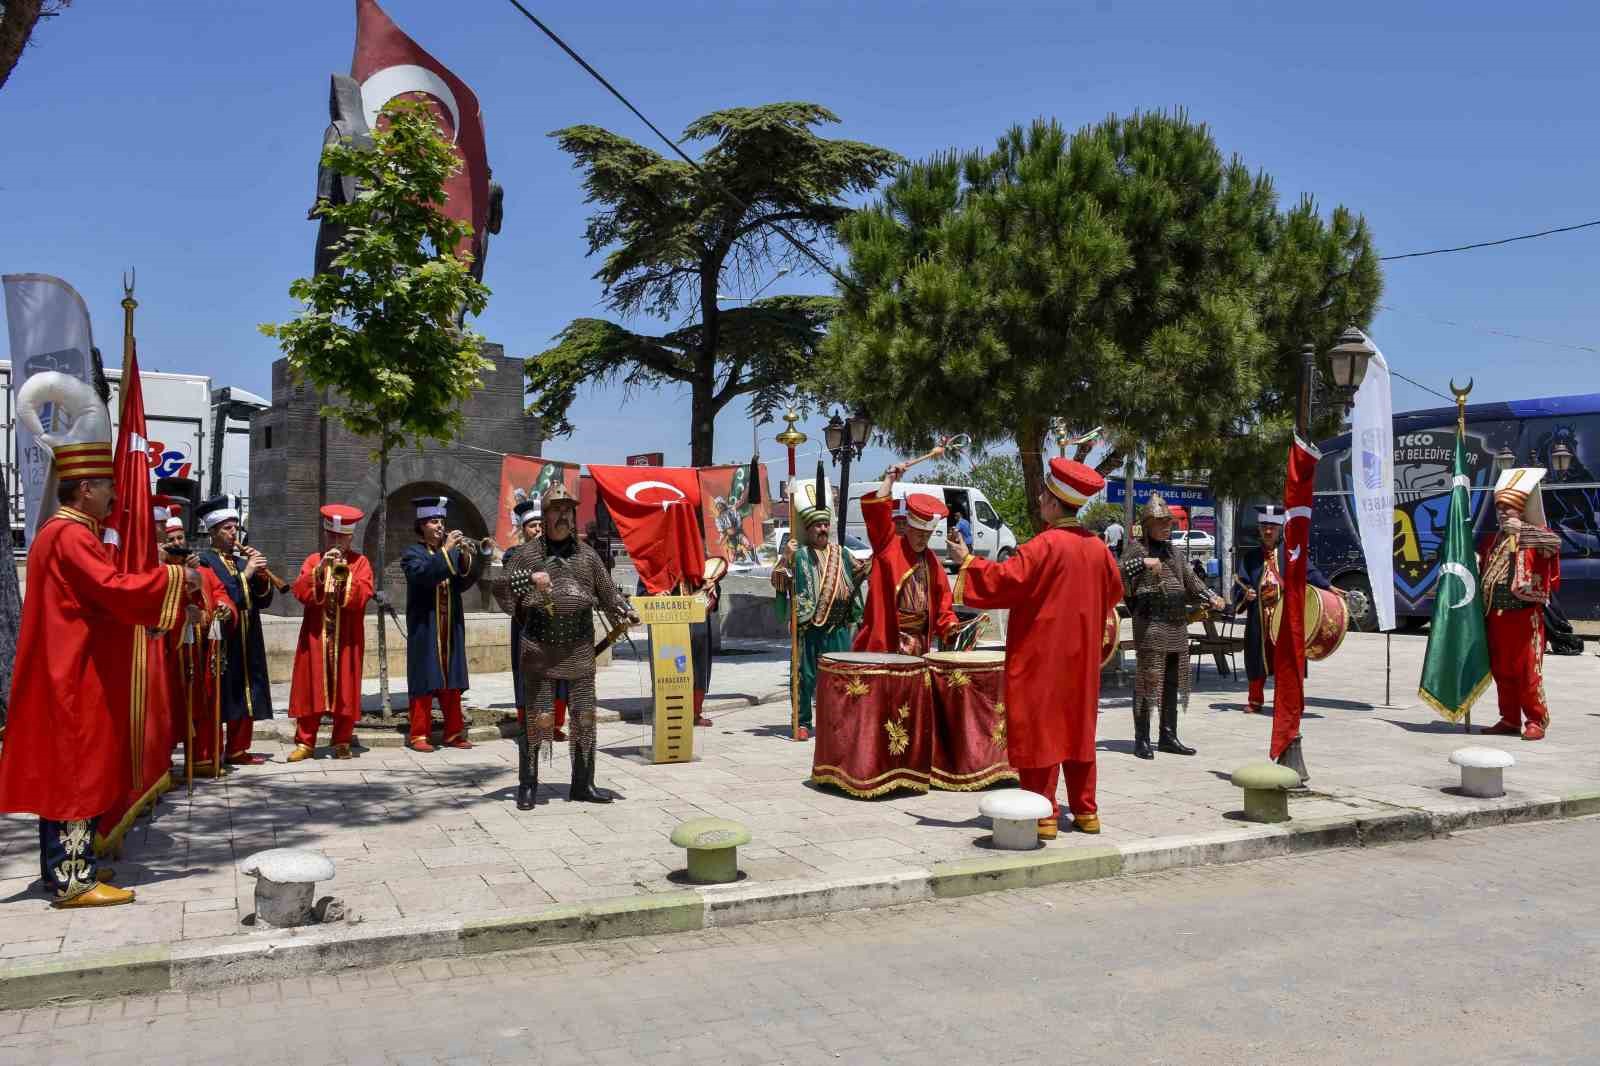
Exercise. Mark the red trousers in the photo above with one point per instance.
(1080, 785)
(1516, 659)
(1258, 692)
(561, 714)
(305, 729)
(236, 737)
(422, 715)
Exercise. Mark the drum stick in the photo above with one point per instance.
(949, 444)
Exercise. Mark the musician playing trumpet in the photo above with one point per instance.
(246, 689)
(438, 568)
(334, 585)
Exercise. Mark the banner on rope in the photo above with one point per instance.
(524, 477)
(732, 524)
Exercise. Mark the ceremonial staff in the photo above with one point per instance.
(187, 651)
(791, 438)
(216, 695)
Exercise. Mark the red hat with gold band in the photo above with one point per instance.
(90, 459)
(341, 518)
(1072, 482)
(925, 512)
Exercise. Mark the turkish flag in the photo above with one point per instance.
(388, 64)
(656, 510)
(1289, 653)
(130, 527)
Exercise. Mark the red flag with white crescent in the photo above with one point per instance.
(387, 65)
(655, 509)
(1289, 652)
(130, 527)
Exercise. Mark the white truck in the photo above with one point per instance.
(182, 416)
(991, 538)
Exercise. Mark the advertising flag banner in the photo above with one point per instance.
(1372, 457)
(1289, 700)
(733, 524)
(523, 477)
(48, 323)
(1455, 668)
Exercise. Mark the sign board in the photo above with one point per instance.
(672, 667)
(1194, 499)
(647, 459)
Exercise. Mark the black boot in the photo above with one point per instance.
(1169, 741)
(583, 790)
(1141, 730)
(527, 775)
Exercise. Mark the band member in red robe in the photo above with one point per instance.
(334, 585)
(55, 762)
(1059, 588)
(1520, 567)
(908, 593)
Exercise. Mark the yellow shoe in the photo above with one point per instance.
(299, 753)
(1048, 828)
(1086, 823)
(342, 751)
(98, 896)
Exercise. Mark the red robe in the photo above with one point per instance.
(147, 750)
(194, 690)
(71, 673)
(308, 694)
(1059, 588)
(892, 563)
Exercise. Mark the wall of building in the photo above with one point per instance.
(290, 479)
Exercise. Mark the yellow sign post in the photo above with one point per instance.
(669, 618)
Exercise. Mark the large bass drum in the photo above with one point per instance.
(969, 719)
(1327, 621)
(874, 723)
(1109, 638)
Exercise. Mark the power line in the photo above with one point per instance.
(800, 246)
(1420, 385)
(1495, 332)
(1484, 244)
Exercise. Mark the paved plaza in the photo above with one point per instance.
(438, 835)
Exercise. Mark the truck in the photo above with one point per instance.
(991, 537)
(193, 431)
(1506, 433)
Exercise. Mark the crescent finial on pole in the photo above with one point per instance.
(1461, 394)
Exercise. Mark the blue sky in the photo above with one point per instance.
(182, 138)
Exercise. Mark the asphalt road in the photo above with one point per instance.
(1481, 948)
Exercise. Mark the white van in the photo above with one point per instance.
(991, 538)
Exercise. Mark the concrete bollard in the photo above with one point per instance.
(286, 884)
(1266, 790)
(713, 846)
(1014, 813)
(1482, 770)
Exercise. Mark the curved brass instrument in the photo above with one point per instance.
(337, 569)
(241, 558)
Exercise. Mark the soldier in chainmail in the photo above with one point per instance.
(556, 583)
(1160, 589)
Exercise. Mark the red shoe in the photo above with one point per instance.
(420, 744)
(1534, 731)
(460, 742)
(804, 734)
(1503, 728)
(1254, 708)
(701, 720)
(244, 758)
(561, 734)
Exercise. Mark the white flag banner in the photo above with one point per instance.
(1372, 472)
(49, 327)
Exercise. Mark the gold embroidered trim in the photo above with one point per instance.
(961, 581)
(904, 771)
(910, 781)
(112, 841)
(958, 783)
(899, 739)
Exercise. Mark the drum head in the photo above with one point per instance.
(870, 658)
(965, 658)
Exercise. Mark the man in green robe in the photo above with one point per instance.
(826, 583)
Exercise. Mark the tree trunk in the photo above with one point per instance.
(1127, 493)
(703, 428)
(16, 26)
(702, 403)
(380, 577)
(10, 606)
(1030, 440)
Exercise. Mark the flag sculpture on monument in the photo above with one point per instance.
(1455, 668)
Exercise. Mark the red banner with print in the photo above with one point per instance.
(523, 477)
(733, 524)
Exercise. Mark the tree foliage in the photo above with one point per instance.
(671, 237)
(1100, 514)
(18, 19)
(1128, 276)
(999, 476)
(384, 330)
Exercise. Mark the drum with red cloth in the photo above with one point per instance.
(874, 723)
(969, 719)
(1327, 620)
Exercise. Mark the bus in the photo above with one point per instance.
(1424, 449)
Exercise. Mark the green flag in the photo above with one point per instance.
(1455, 669)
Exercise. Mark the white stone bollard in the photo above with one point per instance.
(1482, 770)
(1014, 813)
(286, 884)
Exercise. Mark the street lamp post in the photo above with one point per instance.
(846, 440)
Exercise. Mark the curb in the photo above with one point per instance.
(279, 954)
